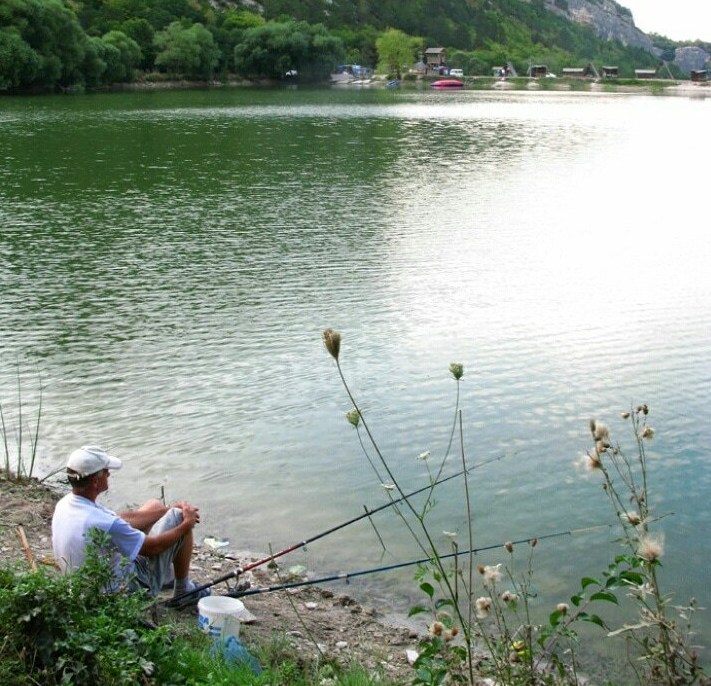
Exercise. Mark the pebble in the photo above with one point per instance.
(412, 656)
(311, 606)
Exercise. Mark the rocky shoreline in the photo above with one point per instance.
(312, 619)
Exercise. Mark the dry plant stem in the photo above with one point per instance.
(296, 611)
(4, 439)
(432, 548)
(470, 532)
(446, 452)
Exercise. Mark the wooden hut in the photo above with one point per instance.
(586, 72)
(537, 71)
(699, 75)
(435, 59)
(610, 72)
(645, 73)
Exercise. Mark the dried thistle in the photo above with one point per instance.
(332, 341)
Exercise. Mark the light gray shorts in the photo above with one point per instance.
(152, 573)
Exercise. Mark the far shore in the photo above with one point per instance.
(480, 83)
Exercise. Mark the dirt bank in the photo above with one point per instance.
(306, 616)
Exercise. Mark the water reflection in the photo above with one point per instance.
(170, 260)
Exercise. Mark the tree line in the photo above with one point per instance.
(60, 44)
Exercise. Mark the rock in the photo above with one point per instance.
(341, 645)
(411, 656)
(310, 605)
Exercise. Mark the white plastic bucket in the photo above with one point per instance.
(219, 616)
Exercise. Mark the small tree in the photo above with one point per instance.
(187, 51)
(396, 50)
(121, 63)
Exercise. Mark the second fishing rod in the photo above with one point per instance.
(302, 544)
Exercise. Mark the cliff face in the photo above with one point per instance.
(607, 18)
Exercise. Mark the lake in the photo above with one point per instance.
(170, 259)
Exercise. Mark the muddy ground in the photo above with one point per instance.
(305, 617)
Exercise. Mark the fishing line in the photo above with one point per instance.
(368, 513)
(346, 576)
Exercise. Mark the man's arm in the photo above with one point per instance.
(143, 519)
(153, 545)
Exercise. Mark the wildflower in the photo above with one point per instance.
(599, 430)
(509, 546)
(353, 417)
(492, 574)
(424, 456)
(534, 542)
(563, 608)
(509, 597)
(588, 463)
(332, 341)
(449, 634)
(651, 547)
(456, 370)
(632, 518)
(480, 569)
(648, 433)
(514, 657)
(625, 415)
(388, 487)
(436, 628)
(483, 606)
(450, 534)
(601, 447)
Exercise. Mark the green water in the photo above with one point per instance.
(168, 261)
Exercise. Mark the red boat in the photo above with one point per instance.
(447, 83)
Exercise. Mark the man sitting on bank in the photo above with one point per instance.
(146, 541)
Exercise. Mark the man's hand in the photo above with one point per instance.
(191, 514)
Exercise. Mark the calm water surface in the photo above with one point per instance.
(168, 261)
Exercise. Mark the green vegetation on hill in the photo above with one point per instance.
(59, 44)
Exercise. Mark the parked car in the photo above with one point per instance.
(456, 72)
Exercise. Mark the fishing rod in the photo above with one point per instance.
(241, 570)
(346, 576)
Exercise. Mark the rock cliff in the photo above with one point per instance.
(607, 18)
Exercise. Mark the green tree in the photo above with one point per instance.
(396, 50)
(122, 64)
(272, 50)
(142, 32)
(46, 39)
(187, 51)
(19, 63)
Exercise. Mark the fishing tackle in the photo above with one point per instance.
(346, 576)
(368, 513)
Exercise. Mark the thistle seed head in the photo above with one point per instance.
(332, 341)
(457, 370)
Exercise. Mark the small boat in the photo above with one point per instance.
(447, 83)
(393, 84)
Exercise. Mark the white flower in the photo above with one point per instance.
(601, 432)
(588, 464)
(651, 547)
(563, 608)
(436, 628)
(492, 574)
(388, 487)
(483, 605)
(509, 597)
(423, 456)
(631, 517)
(450, 534)
(648, 433)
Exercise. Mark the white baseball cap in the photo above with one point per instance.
(90, 459)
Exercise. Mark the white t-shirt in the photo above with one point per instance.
(73, 517)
